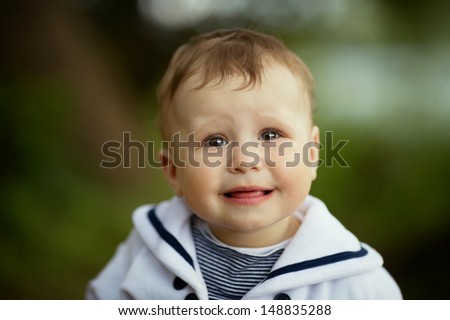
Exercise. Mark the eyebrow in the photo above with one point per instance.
(208, 126)
(274, 122)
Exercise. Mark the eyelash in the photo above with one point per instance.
(211, 138)
(266, 131)
(217, 138)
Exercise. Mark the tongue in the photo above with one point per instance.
(247, 194)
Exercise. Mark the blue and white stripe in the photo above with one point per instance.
(230, 274)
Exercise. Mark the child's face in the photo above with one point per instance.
(250, 172)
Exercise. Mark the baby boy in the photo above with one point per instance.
(236, 108)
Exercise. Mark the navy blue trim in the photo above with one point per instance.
(309, 264)
(168, 237)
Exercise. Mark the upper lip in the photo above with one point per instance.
(247, 189)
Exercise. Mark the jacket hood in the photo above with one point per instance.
(322, 249)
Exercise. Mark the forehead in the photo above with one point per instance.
(280, 93)
(275, 79)
(202, 76)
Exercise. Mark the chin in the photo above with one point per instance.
(253, 226)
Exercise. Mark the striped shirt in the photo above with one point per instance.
(231, 272)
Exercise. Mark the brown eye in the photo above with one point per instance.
(269, 135)
(215, 142)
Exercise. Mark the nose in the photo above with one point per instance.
(244, 157)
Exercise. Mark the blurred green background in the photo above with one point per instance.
(75, 74)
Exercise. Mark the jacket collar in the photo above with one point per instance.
(166, 231)
(321, 250)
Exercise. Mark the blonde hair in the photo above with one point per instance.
(222, 54)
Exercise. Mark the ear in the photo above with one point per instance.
(313, 152)
(169, 170)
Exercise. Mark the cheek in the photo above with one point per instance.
(292, 173)
(199, 181)
(200, 187)
(286, 155)
(296, 178)
(297, 187)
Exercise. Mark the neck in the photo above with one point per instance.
(269, 236)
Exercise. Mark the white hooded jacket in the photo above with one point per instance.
(322, 261)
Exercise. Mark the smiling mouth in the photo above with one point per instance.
(247, 194)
